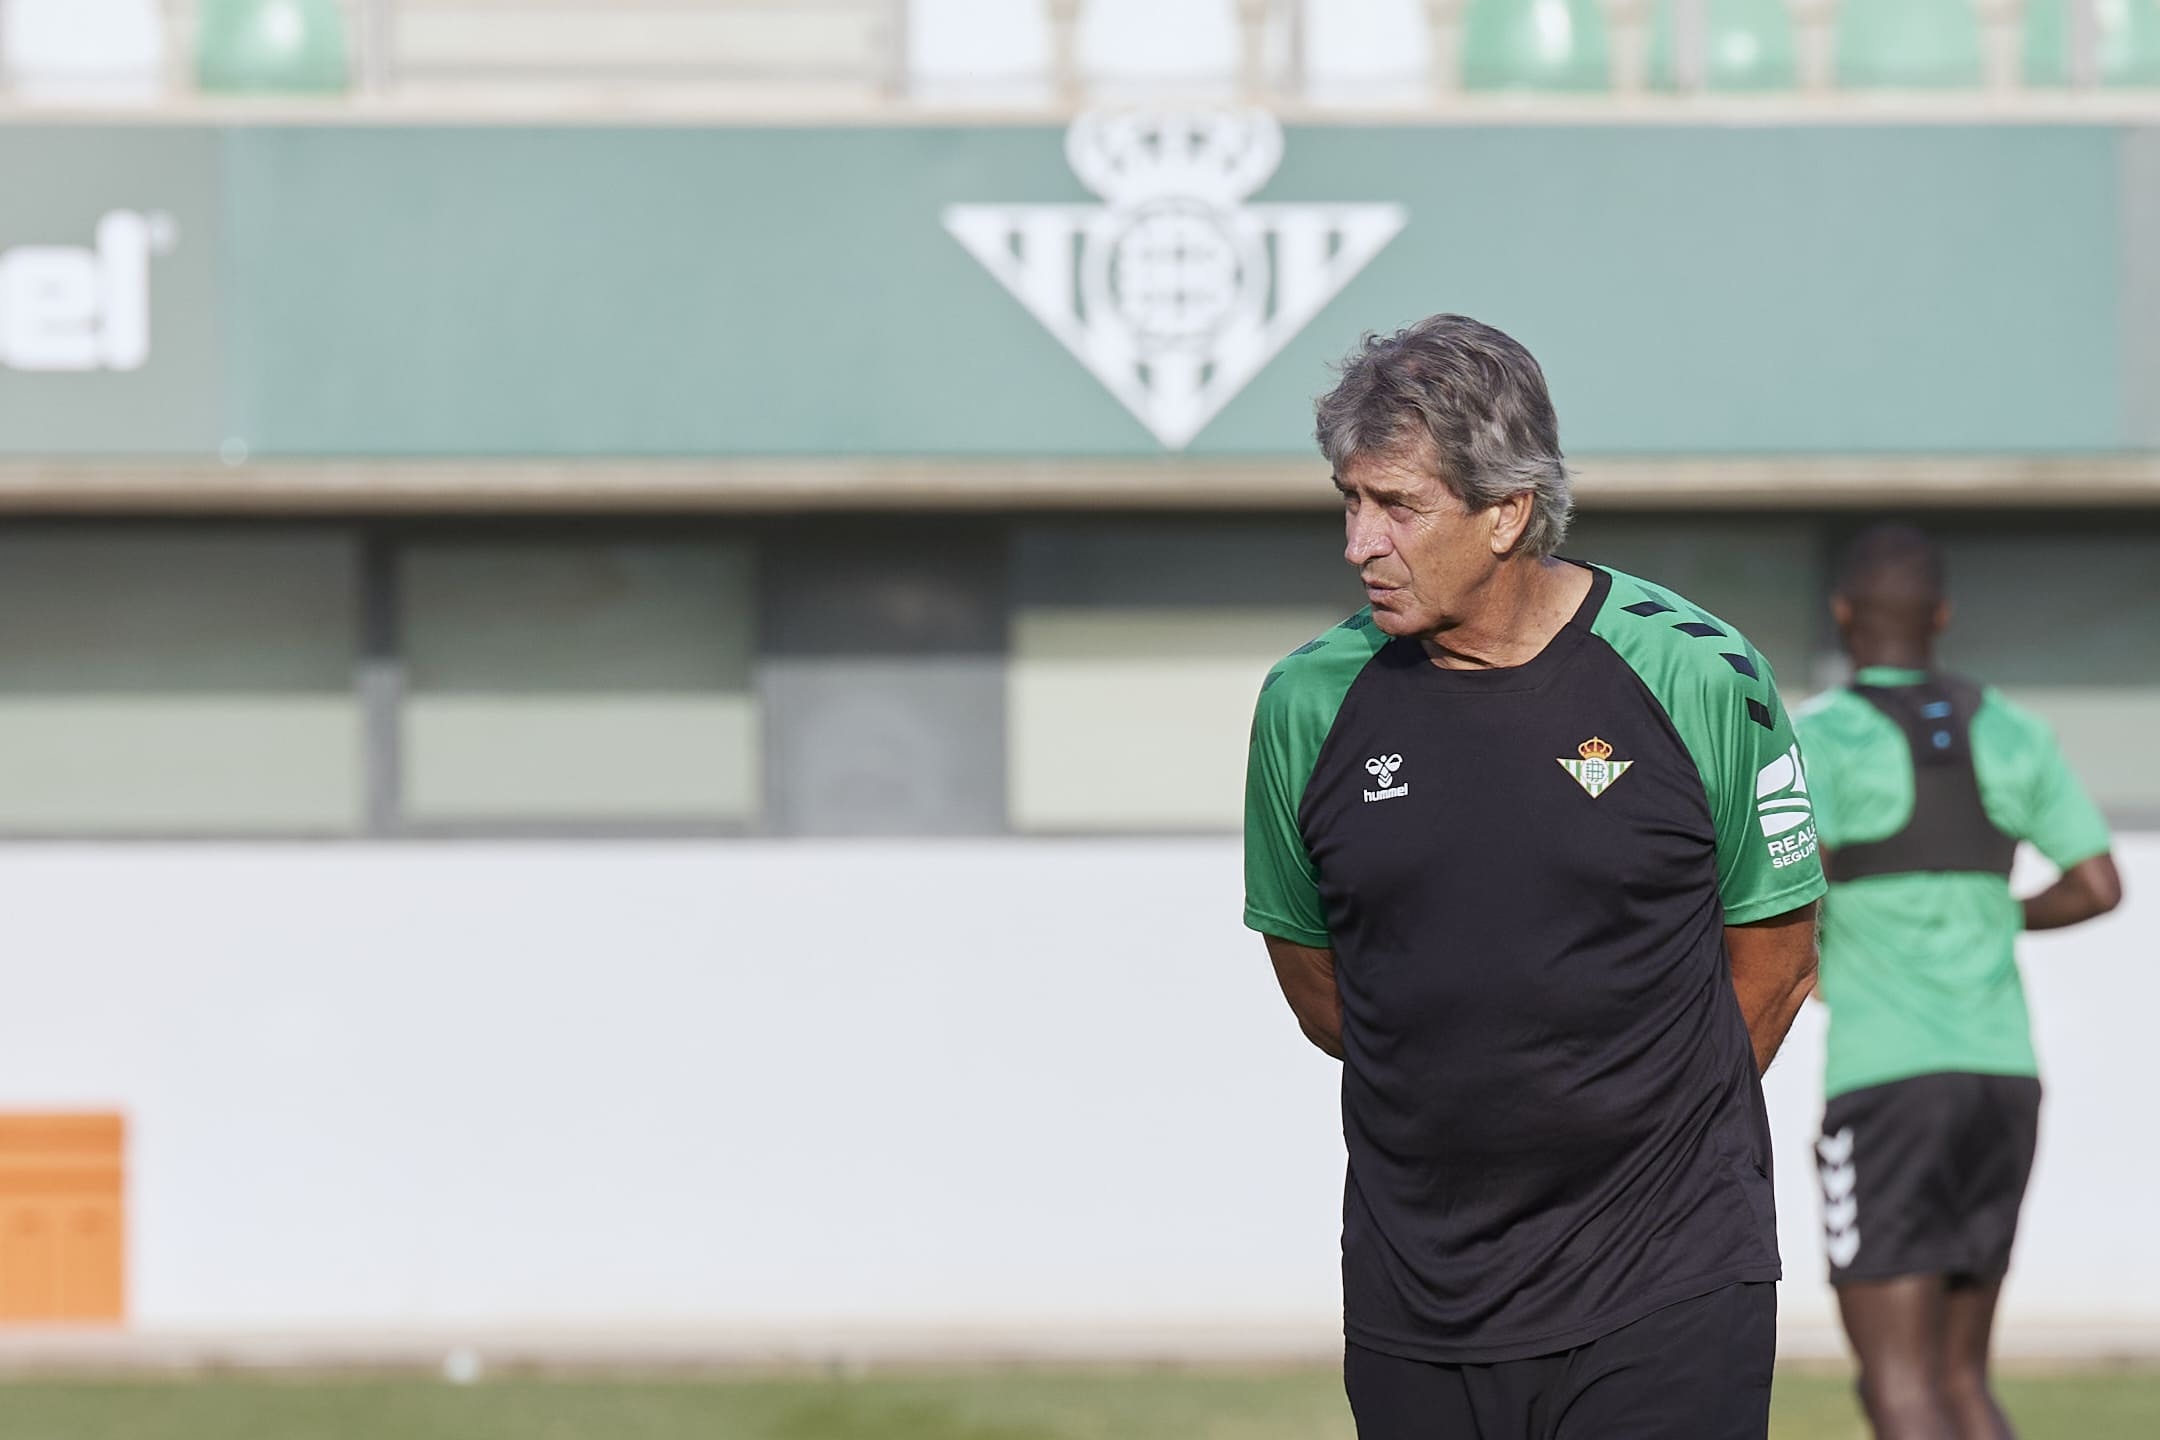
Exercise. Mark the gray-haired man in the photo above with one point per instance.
(1530, 845)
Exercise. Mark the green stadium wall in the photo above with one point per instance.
(379, 291)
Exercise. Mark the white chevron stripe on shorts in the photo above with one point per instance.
(1841, 1198)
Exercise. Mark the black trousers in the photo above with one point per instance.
(1698, 1370)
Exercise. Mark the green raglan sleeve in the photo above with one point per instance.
(1765, 816)
(1282, 887)
(1297, 707)
(2059, 818)
(1720, 695)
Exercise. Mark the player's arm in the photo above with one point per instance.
(2063, 824)
(1829, 861)
(1307, 976)
(1769, 871)
(2087, 889)
(1773, 973)
(1282, 884)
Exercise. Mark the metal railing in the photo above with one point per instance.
(842, 45)
(605, 48)
(627, 52)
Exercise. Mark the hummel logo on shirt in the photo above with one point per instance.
(1382, 768)
(1787, 815)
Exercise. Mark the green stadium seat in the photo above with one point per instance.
(2129, 41)
(1535, 45)
(1908, 44)
(271, 47)
(1747, 45)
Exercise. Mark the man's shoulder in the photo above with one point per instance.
(1321, 670)
(1836, 713)
(2000, 723)
(1673, 643)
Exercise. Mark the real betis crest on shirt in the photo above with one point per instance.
(1596, 770)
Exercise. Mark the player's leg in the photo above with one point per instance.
(2002, 1138)
(1701, 1368)
(1891, 1164)
(1968, 1337)
(1897, 1331)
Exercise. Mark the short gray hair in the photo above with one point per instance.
(1476, 396)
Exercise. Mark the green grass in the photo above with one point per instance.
(1006, 1405)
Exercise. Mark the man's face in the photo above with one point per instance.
(1418, 549)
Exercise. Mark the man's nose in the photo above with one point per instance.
(1367, 537)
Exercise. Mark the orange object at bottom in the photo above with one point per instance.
(62, 1218)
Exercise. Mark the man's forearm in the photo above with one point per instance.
(2063, 903)
(1329, 1041)
(2087, 889)
(1773, 972)
(1307, 976)
(1770, 1018)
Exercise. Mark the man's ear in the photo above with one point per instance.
(1508, 519)
(1841, 612)
(1942, 616)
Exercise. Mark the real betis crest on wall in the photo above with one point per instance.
(1174, 292)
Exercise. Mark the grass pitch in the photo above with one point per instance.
(1296, 1405)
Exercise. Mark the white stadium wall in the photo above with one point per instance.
(789, 1091)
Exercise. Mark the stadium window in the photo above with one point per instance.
(1137, 651)
(577, 682)
(158, 681)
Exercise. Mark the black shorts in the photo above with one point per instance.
(1926, 1176)
(1698, 1370)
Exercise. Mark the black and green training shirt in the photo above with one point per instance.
(1549, 1096)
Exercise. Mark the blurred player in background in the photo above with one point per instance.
(1924, 784)
(1525, 842)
